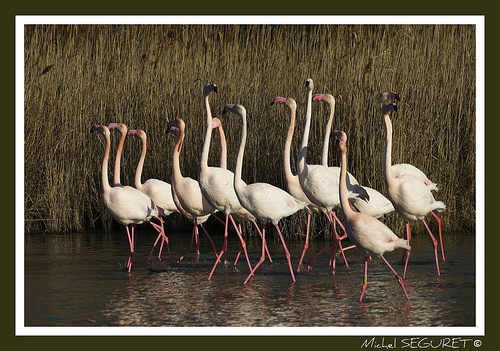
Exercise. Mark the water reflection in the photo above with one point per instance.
(76, 280)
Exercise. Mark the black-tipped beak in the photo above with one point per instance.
(395, 107)
(215, 89)
(397, 98)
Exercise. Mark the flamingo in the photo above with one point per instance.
(319, 183)
(401, 169)
(292, 180)
(127, 205)
(410, 196)
(265, 201)
(122, 128)
(159, 191)
(186, 192)
(217, 184)
(241, 215)
(370, 235)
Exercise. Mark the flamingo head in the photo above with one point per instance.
(122, 128)
(209, 88)
(386, 97)
(176, 127)
(138, 133)
(100, 129)
(288, 102)
(341, 138)
(324, 97)
(309, 84)
(216, 123)
(235, 108)
(386, 109)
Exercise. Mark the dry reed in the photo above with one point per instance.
(143, 76)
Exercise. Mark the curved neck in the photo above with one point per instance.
(104, 169)
(176, 168)
(388, 150)
(223, 147)
(208, 136)
(344, 199)
(288, 142)
(239, 161)
(119, 150)
(326, 141)
(301, 162)
(140, 165)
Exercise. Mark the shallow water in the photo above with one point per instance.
(77, 280)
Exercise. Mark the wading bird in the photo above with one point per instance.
(369, 235)
(265, 201)
(411, 197)
(127, 205)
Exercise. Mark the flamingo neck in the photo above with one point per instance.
(301, 162)
(388, 150)
(176, 168)
(208, 135)
(288, 142)
(344, 200)
(119, 150)
(104, 170)
(238, 183)
(223, 148)
(326, 141)
(140, 165)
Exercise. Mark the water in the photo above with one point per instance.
(77, 280)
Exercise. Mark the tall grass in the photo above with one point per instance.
(143, 76)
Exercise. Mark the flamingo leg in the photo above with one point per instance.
(162, 235)
(306, 243)
(190, 246)
(197, 241)
(242, 242)
(434, 243)
(209, 238)
(440, 234)
(400, 280)
(406, 254)
(260, 234)
(222, 251)
(130, 235)
(332, 218)
(287, 253)
(262, 256)
(365, 280)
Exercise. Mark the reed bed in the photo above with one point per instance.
(145, 75)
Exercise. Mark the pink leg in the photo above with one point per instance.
(287, 253)
(365, 280)
(242, 242)
(400, 280)
(130, 235)
(406, 254)
(190, 246)
(162, 235)
(209, 238)
(262, 257)
(261, 235)
(306, 244)
(341, 238)
(434, 243)
(440, 234)
(222, 251)
(332, 218)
